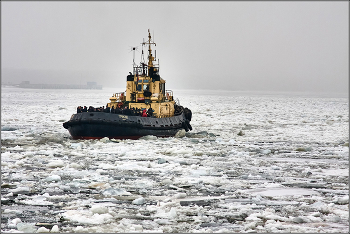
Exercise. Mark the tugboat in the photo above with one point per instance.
(145, 108)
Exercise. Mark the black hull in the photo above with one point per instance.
(96, 125)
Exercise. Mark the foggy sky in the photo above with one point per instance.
(270, 46)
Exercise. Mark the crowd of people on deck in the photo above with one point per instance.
(124, 111)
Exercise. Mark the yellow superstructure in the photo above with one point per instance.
(145, 89)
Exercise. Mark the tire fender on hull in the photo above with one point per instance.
(188, 124)
(184, 125)
(188, 113)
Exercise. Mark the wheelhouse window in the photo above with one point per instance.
(145, 87)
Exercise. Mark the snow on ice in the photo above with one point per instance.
(253, 163)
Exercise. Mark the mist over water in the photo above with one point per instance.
(259, 162)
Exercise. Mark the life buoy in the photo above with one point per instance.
(120, 104)
(167, 96)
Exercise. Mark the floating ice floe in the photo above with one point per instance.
(199, 172)
(266, 151)
(106, 166)
(20, 190)
(76, 146)
(13, 223)
(116, 192)
(165, 215)
(80, 229)
(42, 230)
(9, 211)
(148, 138)
(99, 185)
(277, 192)
(220, 141)
(342, 200)
(26, 227)
(37, 200)
(180, 195)
(53, 178)
(55, 229)
(99, 209)
(87, 217)
(104, 140)
(162, 160)
(75, 165)
(138, 201)
(336, 172)
(181, 133)
(56, 163)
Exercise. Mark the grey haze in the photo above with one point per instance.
(263, 46)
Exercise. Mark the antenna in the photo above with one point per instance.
(133, 48)
(133, 56)
(142, 56)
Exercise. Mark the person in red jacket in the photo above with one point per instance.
(144, 113)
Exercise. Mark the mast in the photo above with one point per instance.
(150, 56)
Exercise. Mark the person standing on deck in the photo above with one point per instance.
(144, 114)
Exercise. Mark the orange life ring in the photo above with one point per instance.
(167, 96)
(120, 104)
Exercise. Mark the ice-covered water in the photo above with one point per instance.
(253, 163)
